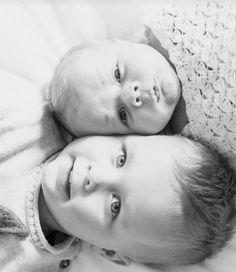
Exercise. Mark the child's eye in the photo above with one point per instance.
(115, 206)
(121, 158)
(117, 73)
(123, 115)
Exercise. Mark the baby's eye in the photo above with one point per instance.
(121, 158)
(115, 206)
(117, 73)
(123, 115)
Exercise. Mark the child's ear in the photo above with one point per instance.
(113, 256)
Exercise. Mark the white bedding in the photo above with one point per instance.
(36, 33)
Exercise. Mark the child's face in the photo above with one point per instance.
(122, 195)
(118, 87)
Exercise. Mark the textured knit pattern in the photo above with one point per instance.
(201, 42)
(32, 217)
(29, 250)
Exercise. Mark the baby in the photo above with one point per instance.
(114, 87)
(122, 87)
(156, 200)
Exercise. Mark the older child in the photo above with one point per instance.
(158, 200)
(114, 86)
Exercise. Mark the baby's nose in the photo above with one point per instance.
(136, 96)
(133, 94)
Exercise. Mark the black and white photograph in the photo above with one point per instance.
(117, 135)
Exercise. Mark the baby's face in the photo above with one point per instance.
(117, 193)
(118, 87)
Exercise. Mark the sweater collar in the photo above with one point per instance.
(33, 222)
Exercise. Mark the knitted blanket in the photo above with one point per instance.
(202, 46)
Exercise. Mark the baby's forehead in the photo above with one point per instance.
(108, 45)
(97, 50)
(99, 45)
(94, 49)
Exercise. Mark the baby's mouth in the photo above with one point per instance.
(155, 94)
(156, 90)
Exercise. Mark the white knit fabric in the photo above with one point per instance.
(33, 222)
(201, 42)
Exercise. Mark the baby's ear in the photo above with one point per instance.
(112, 256)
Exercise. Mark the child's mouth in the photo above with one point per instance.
(68, 187)
(68, 183)
(156, 92)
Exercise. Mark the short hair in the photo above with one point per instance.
(207, 199)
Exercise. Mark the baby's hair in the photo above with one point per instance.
(58, 85)
(56, 88)
(207, 197)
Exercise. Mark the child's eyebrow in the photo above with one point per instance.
(126, 202)
(130, 118)
(129, 148)
(124, 216)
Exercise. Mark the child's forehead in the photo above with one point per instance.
(152, 218)
(157, 236)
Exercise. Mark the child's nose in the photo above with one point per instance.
(89, 184)
(94, 179)
(81, 176)
(97, 179)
